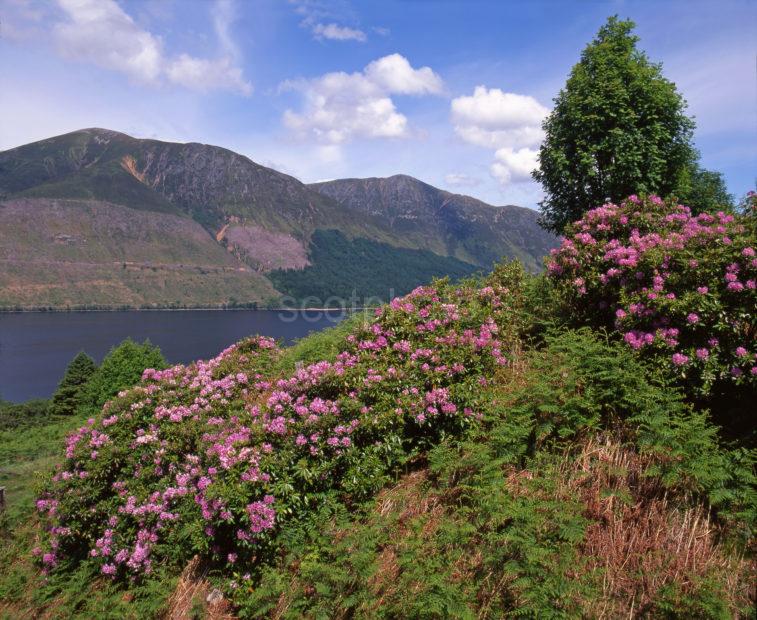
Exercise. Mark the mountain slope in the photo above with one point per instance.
(209, 183)
(72, 253)
(254, 221)
(446, 223)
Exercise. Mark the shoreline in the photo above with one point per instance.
(190, 309)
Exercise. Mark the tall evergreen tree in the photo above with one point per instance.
(68, 396)
(617, 128)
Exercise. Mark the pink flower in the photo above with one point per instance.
(741, 352)
(702, 290)
(703, 354)
(692, 318)
(679, 359)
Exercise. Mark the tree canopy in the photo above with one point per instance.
(618, 127)
(121, 369)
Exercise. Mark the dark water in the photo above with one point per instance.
(35, 347)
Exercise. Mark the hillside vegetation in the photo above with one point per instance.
(484, 449)
(363, 270)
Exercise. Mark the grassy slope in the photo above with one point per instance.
(447, 224)
(509, 518)
(75, 252)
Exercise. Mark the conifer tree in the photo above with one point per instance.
(67, 397)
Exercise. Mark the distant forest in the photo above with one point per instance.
(341, 268)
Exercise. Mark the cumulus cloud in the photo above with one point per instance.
(336, 32)
(507, 122)
(341, 106)
(394, 74)
(493, 118)
(511, 166)
(101, 32)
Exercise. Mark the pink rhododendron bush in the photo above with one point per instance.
(215, 458)
(680, 289)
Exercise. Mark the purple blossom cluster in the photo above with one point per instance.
(677, 286)
(229, 450)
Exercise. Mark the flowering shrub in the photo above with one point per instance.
(213, 458)
(677, 287)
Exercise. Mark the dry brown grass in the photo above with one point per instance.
(194, 586)
(640, 541)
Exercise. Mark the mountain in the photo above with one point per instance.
(445, 223)
(97, 217)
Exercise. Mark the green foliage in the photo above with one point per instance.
(677, 289)
(582, 384)
(705, 191)
(121, 368)
(493, 528)
(324, 345)
(617, 128)
(361, 271)
(472, 549)
(19, 415)
(69, 396)
(245, 453)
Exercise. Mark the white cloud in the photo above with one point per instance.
(341, 106)
(224, 15)
(203, 75)
(21, 20)
(511, 166)
(101, 32)
(507, 122)
(321, 17)
(457, 179)
(335, 32)
(394, 74)
(493, 118)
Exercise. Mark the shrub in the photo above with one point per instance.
(677, 288)
(30, 413)
(212, 459)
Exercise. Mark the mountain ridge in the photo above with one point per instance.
(263, 218)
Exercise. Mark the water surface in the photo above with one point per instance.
(36, 347)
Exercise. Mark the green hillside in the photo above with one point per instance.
(364, 270)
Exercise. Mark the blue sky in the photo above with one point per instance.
(451, 92)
